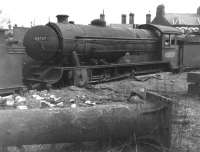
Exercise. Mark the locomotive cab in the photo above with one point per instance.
(170, 50)
(168, 41)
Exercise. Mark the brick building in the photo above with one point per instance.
(187, 22)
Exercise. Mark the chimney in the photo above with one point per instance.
(131, 18)
(160, 10)
(148, 18)
(62, 19)
(71, 22)
(123, 18)
(102, 17)
(198, 11)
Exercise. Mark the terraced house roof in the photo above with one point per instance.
(182, 19)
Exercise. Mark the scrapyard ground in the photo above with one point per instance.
(186, 122)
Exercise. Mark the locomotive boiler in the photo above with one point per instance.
(82, 54)
(90, 42)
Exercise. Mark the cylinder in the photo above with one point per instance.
(47, 126)
(123, 18)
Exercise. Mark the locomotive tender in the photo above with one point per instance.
(80, 54)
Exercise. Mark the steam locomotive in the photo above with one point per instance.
(66, 53)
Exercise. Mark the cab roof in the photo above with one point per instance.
(161, 28)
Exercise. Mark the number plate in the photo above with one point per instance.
(40, 38)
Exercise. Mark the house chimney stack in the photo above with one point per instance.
(198, 11)
(148, 18)
(160, 10)
(131, 18)
(62, 19)
(123, 18)
(102, 17)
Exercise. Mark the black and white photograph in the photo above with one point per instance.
(99, 76)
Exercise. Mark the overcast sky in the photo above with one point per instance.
(22, 12)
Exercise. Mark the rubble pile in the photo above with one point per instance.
(43, 99)
(73, 96)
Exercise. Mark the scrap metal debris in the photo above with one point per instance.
(43, 99)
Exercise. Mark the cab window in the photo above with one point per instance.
(169, 40)
(172, 39)
(166, 40)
